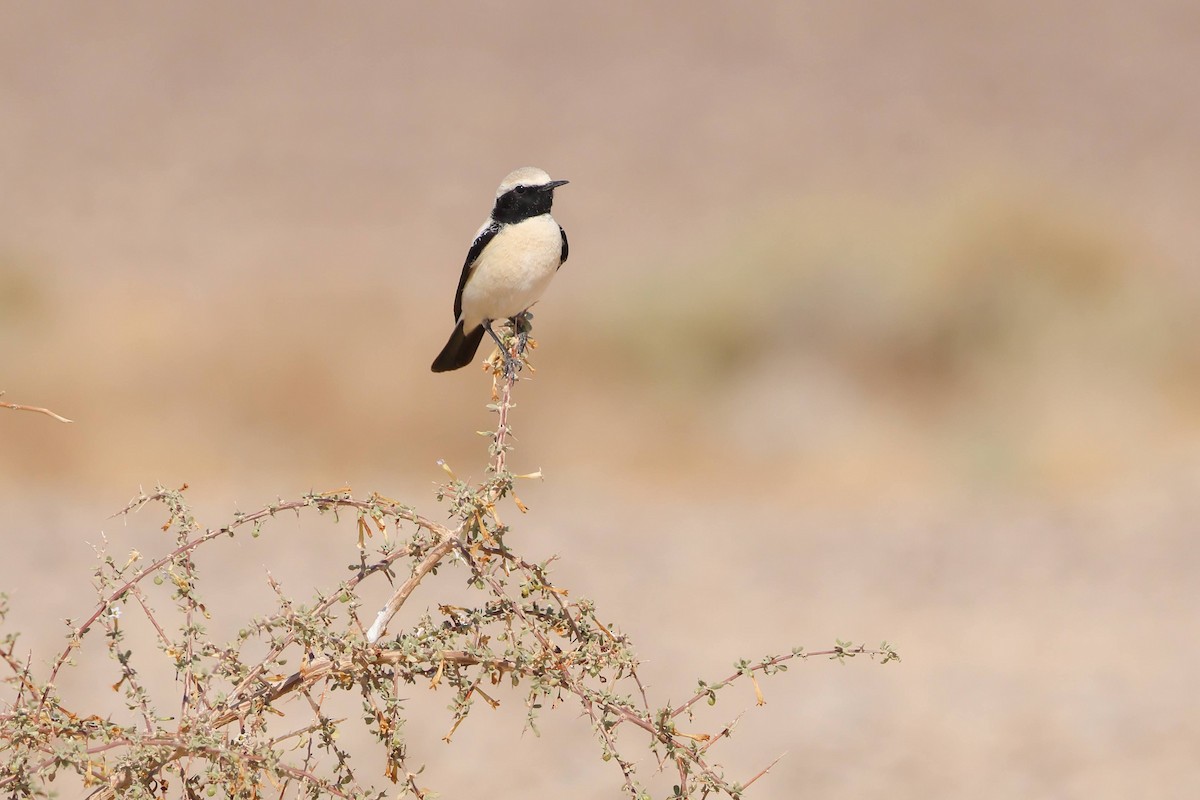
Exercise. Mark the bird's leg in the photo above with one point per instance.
(487, 326)
(510, 364)
(522, 324)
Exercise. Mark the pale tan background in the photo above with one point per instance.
(880, 322)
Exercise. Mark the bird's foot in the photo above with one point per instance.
(503, 363)
(521, 324)
(509, 358)
(511, 367)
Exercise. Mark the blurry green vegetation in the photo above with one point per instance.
(922, 298)
(20, 293)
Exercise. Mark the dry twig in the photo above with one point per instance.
(35, 409)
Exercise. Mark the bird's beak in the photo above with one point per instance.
(552, 185)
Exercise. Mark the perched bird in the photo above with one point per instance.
(510, 264)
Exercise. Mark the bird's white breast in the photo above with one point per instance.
(512, 271)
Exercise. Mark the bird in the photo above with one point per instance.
(516, 253)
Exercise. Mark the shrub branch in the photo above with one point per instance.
(34, 409)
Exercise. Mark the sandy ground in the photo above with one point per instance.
(880, 323)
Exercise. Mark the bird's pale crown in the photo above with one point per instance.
(528, 176)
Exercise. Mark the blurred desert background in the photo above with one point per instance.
(881, 322)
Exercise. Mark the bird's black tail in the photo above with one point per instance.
(459, 351)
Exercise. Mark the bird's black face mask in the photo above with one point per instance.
(523, 202)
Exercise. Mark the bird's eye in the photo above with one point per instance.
(520, 190)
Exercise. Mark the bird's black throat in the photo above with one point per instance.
(521, 203)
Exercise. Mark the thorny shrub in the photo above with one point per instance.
(225, 738)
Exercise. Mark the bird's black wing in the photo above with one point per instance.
(481, 241)
(563, 256)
